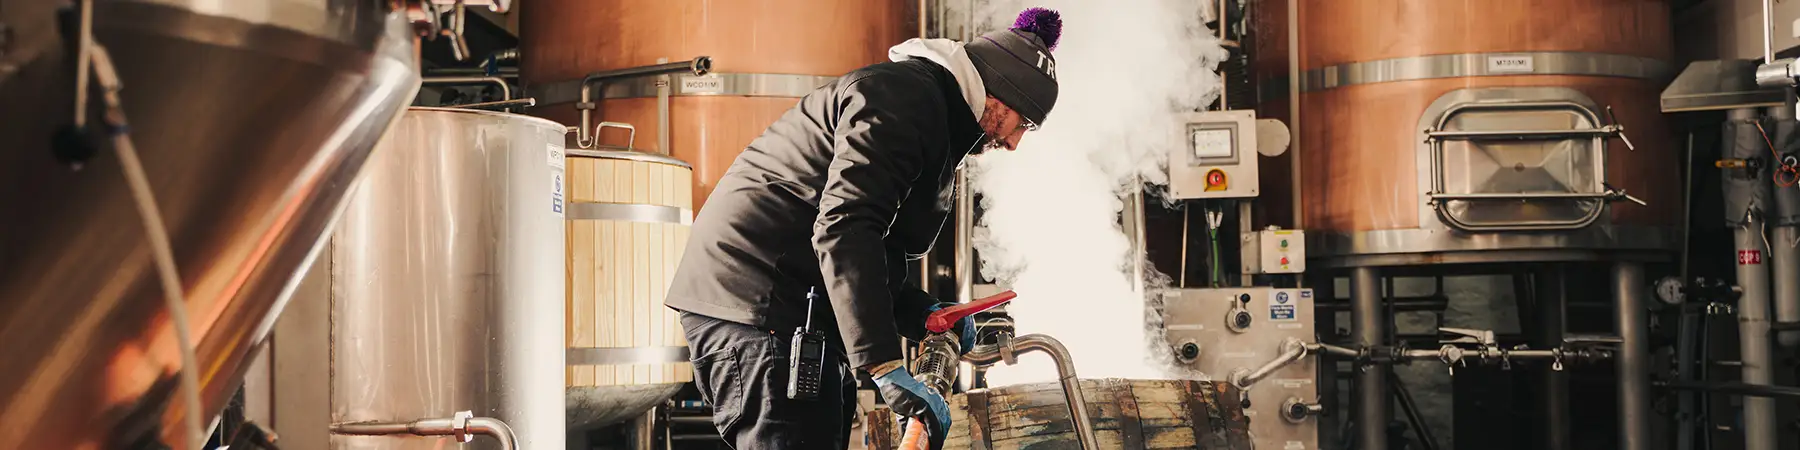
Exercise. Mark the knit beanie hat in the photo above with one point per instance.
(1016, 66)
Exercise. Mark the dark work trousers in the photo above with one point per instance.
(742, 372)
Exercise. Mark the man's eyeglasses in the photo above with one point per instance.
(1027, 124)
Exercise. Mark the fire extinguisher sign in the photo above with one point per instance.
(1749, 257)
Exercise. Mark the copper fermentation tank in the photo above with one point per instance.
(251, 119)
(1370, 93)
(766, 54)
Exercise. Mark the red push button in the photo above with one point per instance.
(1216, 181)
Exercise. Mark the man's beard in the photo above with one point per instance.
(988, 142)
(990, 135)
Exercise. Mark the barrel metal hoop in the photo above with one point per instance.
(980, 437)
(607, 356)
(1131, 428)
(1199, 411)
(1471, 65)
(630, 212)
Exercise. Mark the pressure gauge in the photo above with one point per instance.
(1669, 290)
(1211, 143)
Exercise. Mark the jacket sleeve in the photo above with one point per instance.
(877, 152)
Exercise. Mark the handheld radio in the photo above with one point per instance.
(806, 356)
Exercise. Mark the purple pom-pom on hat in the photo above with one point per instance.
(1043, 22)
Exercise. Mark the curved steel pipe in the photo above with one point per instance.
(1007, 350)
(463, 426)
(697, 66)
(1333, 350)
(1292, 350)
(505, 90)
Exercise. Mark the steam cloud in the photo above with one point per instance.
(1051, 224)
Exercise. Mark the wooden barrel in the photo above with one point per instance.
(1127, 414)
(1365, 89)
(766, 54)
(627, 223)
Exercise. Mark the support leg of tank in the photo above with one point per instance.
(1371, 381)
(1633, 365)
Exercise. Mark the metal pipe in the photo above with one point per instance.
(924, 18)
(643, 430)
(1753, 333)
(1422, 355)
(463, 426)
(964, 257)
(1371, 382)
(1784, 257)
(1522, 196)
(503, 72)
(1768, 25)
(1687, 359)
(1065, 371)
(505, 104)
(1292, 350)
(663, 91)
(1325, 324)
(490, 63)
(505, 90)
(1785, 261)
(1602, 131)
(697, 66)
(1747, 390)
(1134, 224)
(1548, 300)
(1332, 350)
(1294, 146)
(1244, 227)
(1633, 365)
(1687, 210)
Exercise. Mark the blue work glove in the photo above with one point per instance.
(965, 328)
(910, 398)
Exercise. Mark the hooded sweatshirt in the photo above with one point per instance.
(952, 57)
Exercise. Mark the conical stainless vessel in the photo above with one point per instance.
(252, 118)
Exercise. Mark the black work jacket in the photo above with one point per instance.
(836, 194)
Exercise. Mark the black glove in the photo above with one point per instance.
(910, 398)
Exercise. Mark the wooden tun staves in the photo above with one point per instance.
(1127, 414)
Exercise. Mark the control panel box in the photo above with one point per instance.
(1222, 330)
(1274, 251)
(1217, 158)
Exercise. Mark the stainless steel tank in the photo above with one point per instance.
(251, 118)
(447, 279)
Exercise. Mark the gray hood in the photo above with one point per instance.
(952, 57)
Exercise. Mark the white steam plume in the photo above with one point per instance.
(1051, 224)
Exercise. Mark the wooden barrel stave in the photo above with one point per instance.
(1126, 414)
(619, 270)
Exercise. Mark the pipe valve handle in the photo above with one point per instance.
(945, 319)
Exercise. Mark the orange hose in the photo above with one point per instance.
(914, 439)
(1792, 172)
